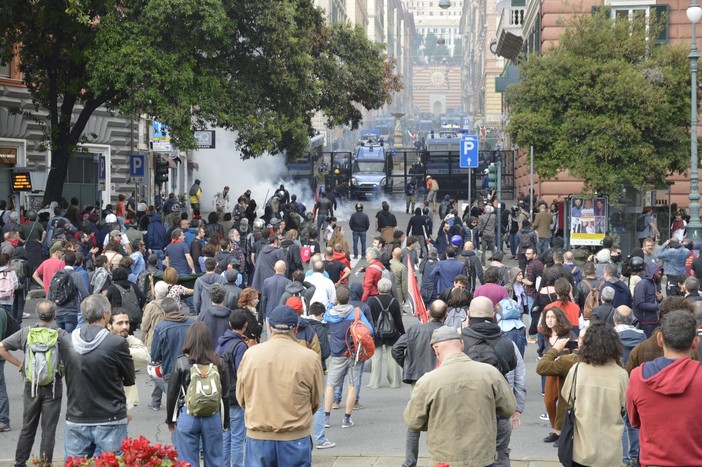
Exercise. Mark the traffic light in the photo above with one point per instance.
(160, 171)
(492, 176)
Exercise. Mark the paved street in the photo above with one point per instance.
(378, 432)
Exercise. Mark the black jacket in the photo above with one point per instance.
(376, 304)
(413, 351)
(359, 222)
(178, 384)
(320, 328)
(490, 332)
(414, 226)
(97, 366)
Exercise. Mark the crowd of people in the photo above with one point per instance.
(207, 306)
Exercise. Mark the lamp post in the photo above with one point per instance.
(694, 228)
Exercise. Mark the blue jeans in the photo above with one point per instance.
(192, 431)
(160, 388)
(356, 236)
(630, 442)
(4, 402)
(88, 441)
(233, 447)
(67, 322)
(543, 245)
(318, 425)
(513, 243)
(265, 453)
(338, 391)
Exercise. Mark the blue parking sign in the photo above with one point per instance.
(469, 152)
(137, 165)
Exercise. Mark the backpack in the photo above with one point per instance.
(359, 339)
(455, 317)
(385, 326)
(204, 394)
(41, 357)
(7, 287)
(305, 253)
(62, 289)
(11, 324)
(101, 280)
(434, 185)
(228, 359)
(130, 302)
(641, 223)
(484, 351)
(19, 265)
(525, 241)
(2, 218)
(592, 299)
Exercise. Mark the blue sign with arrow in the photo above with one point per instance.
(469, 152)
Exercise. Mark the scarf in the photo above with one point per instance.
(177, 240)
(13, 241)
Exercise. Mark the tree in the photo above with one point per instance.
(606, 105)
(260, 68)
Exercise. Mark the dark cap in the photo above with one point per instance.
(282, 318)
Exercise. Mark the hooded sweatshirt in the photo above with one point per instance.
(658, 389)
(622, 295)
(216, 317)
(265, 262)
(339, 319)
(201, 294)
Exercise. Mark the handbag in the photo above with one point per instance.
(565, 442)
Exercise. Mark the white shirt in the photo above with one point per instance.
(325, 292)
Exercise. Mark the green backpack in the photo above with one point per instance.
(41, 358)
(204, 394)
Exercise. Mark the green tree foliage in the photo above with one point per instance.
(606, 105)
(260, 68)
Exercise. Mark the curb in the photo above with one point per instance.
(377, 459)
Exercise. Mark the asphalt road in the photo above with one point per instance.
(378, 428)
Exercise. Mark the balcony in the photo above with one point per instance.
(509, 32)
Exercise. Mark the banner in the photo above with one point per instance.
(588, 220)
(418, 308)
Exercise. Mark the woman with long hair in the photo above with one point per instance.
(190, 430)
(554, 325)
(599, 397)
(457, 307)
(339, 238)
(564, 302)
(248, 300)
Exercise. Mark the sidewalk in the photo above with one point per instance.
(328, 459)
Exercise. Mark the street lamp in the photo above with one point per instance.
(694, 228)
(444, 4)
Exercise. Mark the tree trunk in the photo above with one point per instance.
(58, 172)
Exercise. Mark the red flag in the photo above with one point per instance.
(418, 307)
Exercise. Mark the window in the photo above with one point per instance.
(657, 13)
(4, 69)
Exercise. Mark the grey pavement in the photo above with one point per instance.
(376, 439)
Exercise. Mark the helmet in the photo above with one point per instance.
(359, 207)
(31, 215)
(110, 219)
(259, 224)
(457, 240)
(636, 263)
(154, 371)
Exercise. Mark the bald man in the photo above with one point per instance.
(472, 264)
(483, 341)
(273, 288)
(483, 392)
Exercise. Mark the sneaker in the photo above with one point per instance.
(358, 406)
(544, 417)
(345, 424)
(552, 437)
(153, 407)
(327, 422)
(326, 445)
(531, 340)
(5, 427)
(335, 405)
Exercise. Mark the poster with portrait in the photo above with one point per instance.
(588, 220)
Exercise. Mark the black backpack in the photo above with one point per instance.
(484, 350)
(228, 358)
(525, 241)
(385, 326)
(641, 223)
(130, 302)
(62, 289)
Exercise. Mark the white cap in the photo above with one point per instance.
(110, 218)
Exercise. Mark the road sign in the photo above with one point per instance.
(137, 165)
(469, 152)
(101, 172)
(205, 139)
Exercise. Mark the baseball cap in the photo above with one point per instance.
(231, 275)
(444, 333)
(114, 233)
(141, 207)
(57, 246)
(295, 303)
(110, 218)
(282, 318)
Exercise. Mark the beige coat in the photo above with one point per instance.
(279, 385)
(542, 224)
(399, 271)
(600, 398)
(141, 357)
(461, 396)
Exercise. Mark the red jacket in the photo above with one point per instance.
(371, 278)
(663, 401)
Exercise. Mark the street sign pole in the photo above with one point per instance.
(499, 201)
(470, 183)
(468, 159)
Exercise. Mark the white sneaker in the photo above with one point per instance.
(326, 445)
(25, 315)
